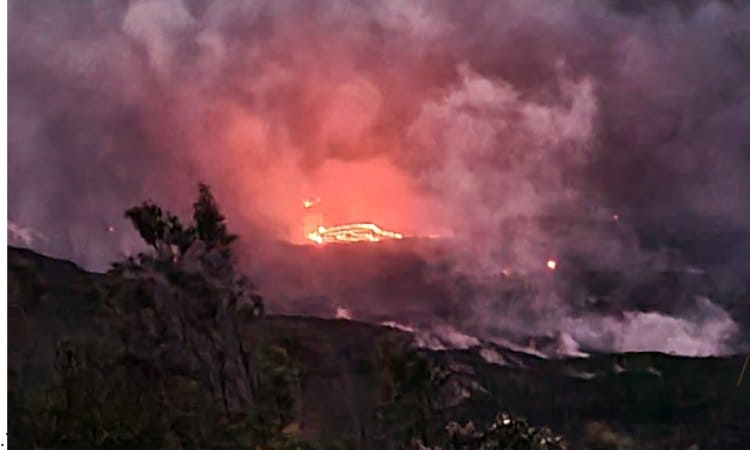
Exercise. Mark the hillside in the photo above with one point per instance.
(605, 401)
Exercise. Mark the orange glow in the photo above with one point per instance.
(551, 264)
(367, 191)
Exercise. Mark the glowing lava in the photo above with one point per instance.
(309, 203)
(348, 233)
(355, 232)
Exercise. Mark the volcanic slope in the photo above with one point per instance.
(622, 401)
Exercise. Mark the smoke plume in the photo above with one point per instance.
(610, 136)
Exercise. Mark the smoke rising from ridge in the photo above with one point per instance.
(521, 127)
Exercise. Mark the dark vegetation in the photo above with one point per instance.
(172, 349)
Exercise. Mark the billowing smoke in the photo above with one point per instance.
(609, 135)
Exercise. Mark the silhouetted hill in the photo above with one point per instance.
(606, 401)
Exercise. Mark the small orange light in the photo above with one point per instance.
(551, 264)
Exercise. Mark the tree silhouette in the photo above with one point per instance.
(150, 222)
(160, 228)
(210, 224)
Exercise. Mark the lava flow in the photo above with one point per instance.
(347, 233)
(355, 232)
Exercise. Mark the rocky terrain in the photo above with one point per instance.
(643, 400)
